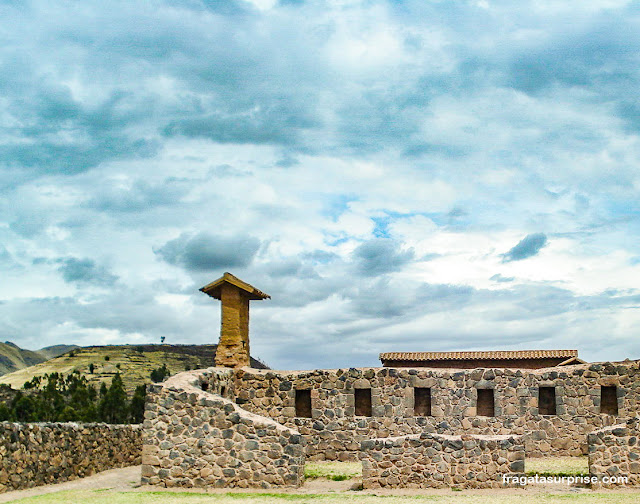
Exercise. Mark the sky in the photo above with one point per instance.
(397, 175)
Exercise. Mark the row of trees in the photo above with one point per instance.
(67, 398)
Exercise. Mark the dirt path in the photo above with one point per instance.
(115, 479)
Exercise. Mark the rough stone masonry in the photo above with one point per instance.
(189, 416)
(196, 439)
(437, 460)
(334, 429)
(33, 454)
(614, 452)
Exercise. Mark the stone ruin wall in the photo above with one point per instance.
(33, 454)
(437, 461)
(615, 451)
(194, 437)
(335, 433)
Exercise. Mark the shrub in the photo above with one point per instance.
(159, 374)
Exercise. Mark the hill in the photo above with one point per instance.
(54, 350)
(99, 364)
(12, 357)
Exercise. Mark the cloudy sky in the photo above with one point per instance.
(397, 175)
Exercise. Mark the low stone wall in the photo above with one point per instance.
(36, 454)
(435, 461)
(614, 452)
(195, 438)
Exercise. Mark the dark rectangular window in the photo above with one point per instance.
(609, 400)
(485, 406)
(303, 403)
(547, 400)
(363, 402)
(422, 402)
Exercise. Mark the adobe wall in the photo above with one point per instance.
(33, 454)
(437, 460)
(477, 363)
(335, 433)
(194, 437)
(615, 451)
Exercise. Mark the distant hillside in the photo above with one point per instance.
(13, 358)
(134, 363)
(53, 351)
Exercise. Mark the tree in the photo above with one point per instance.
(137, 404)
(68, 414)
(62, 398)
(113, 406)
(6, 415)
(24, 408)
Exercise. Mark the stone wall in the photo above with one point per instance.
(334, 432)
(194, 437)
(36, 454)
(435, 461)
(614, 452)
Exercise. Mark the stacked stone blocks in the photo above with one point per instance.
(33, 454)
(195, 438)
(334, 432)
(200, 426)
(436, 461)
(614, 452)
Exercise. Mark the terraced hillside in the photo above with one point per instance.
(134, 363)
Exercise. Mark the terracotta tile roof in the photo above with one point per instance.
(501, 354)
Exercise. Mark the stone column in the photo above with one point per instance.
(233, 348)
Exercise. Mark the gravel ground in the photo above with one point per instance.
(126, 478)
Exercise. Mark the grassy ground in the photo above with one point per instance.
(335, 471)
(317, 492)
(515, 497)
(557, 466)
(552, 466)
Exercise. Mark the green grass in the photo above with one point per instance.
(336, 471)
(520, 497)
(557, 466)
(548, 466)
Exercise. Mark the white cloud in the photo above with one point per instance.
(442, 133)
